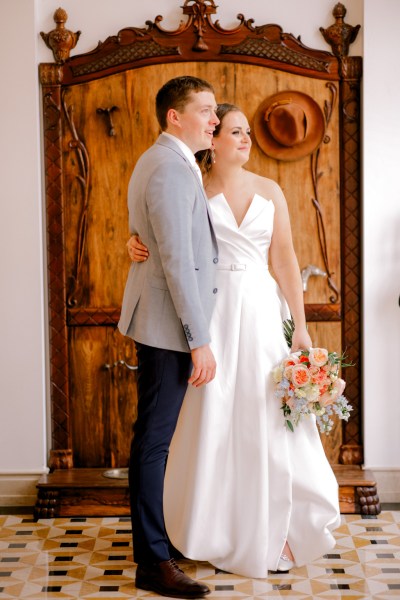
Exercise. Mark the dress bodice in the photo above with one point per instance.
(248, 242)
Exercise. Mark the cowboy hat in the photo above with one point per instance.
(289, 125)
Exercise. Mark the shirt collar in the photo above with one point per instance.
(187, 152)
(185, 149)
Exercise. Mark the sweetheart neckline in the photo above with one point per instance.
(238, 225)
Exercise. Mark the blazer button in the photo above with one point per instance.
(215, 290)
(215, 260)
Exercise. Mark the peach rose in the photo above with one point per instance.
(318, 356)
(291, 360)
(339, 386)
(319, 376)
(300, 375)
(287, 372)
(333, 394)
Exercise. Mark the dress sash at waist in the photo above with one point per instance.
(241, 267)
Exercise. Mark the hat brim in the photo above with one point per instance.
(315, 127)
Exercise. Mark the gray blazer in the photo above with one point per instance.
(169, 298)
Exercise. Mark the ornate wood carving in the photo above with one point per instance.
(81, 492)
(87, 316)
(61, 459)
(77, 317)
(323, 312)
(340, 35)
(351, 454)
(316, 175)
(60, 40)
(74, 287)
(272, 44)
(59, 368)
(368, 500)
(199, 15)
(50, 74)
(351, 242)
(199, 38)
(116, 52)
(357, 490)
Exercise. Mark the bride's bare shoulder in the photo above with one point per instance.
(267, 188)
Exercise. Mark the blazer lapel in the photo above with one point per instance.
(164, 140)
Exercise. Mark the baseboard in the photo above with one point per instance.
(388, 483)
(19, 489)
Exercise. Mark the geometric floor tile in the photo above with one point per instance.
(91, 559)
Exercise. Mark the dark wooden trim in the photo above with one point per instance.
(78, 317)
(87, 492)
(350, 161)
(59, 382)
(199, 39)
(84, 317)
(323, 312)
(340, 35)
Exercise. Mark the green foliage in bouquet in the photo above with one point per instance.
(288, 329)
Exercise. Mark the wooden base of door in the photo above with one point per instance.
(88, 492)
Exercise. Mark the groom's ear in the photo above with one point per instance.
(173, 117)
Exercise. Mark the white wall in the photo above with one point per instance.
(23, 394)
(22, 349)
(382, 243)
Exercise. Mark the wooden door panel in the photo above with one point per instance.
(97, 171)
(103, 396)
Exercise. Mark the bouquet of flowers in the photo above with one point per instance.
(308, 382)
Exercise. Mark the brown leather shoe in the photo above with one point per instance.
(167, 579)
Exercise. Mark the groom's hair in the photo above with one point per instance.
(176, 94)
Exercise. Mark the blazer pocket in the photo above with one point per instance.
(158, 282)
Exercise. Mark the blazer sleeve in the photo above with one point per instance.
(170, 199)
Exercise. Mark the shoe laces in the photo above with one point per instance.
(173, 563)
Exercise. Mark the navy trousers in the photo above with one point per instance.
(162, 383)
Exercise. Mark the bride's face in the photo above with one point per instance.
(233, 142)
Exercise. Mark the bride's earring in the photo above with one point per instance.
(212, 153)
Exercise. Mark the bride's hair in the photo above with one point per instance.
(205, 157)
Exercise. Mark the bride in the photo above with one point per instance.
(241, 491)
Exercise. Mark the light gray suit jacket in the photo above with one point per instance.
(169, 298)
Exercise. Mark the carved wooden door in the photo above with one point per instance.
(99, 118)
(102, 379)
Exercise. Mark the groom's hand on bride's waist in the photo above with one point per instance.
(204, 366)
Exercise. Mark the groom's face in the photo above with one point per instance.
(197, 121)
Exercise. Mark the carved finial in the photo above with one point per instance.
(340, 35)
(199, 11)
(60, 40)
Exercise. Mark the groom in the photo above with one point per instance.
(166, 309)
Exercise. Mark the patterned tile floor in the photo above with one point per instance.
(91, 558)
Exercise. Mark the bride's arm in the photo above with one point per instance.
(137, 251)
(286, 269)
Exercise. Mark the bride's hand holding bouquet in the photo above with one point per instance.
(308, 382)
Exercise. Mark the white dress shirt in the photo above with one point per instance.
(187, 152)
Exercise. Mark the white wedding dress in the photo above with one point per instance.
(238, 483)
